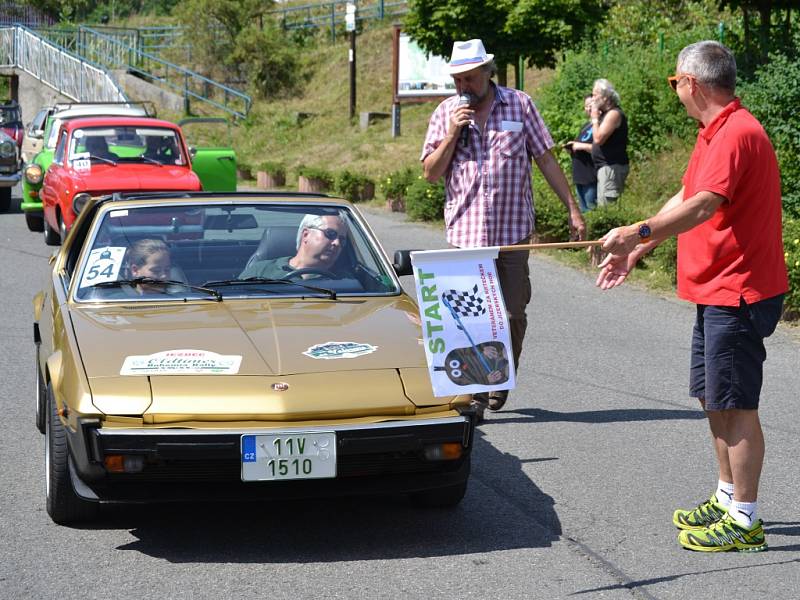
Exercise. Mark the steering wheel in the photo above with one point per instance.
(308, 271)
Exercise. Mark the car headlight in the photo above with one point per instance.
(79, 202)
(33, 174)
(7, 148)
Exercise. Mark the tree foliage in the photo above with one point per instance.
(537, 30)
(235, 39)
(95, 10)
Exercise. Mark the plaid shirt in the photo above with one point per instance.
(488, 182)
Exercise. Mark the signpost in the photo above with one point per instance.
(350, 25)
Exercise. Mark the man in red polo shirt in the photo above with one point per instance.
(727, 216)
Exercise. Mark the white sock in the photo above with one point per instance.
(724, 493)
(743, 512)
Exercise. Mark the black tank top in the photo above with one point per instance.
(615, 149)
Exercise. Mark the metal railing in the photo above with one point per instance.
(154, 40)
(332, 14)
(71, 75)
(113, 53)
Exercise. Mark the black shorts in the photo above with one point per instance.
(728, 352)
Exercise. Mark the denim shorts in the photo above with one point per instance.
(728, 352)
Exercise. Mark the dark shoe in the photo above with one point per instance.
(497, 399)
(479, 402)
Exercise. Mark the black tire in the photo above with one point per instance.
(5, 199)
(62, 228)
(50, 237)
(34, 221)
(41, 397)
(63, 504)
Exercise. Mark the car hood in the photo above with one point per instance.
(133, 177)
(311, 348)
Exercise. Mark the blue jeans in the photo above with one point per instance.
(587, 196)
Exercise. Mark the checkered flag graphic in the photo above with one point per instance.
(466, 304)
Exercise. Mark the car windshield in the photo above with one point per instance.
(9, 115)
(232, 250)
(153, 145)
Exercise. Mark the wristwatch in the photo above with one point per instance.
(645, 233)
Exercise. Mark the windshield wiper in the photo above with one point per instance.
(257, 280)
(104, 159)
(151, 160)
(151, 281)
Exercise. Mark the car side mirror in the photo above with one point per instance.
(192, 151)
(402, 262)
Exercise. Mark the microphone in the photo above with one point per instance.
(464, 100)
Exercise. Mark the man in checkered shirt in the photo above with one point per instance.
(487, 174)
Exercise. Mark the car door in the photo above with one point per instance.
(34, 136)
(215, 164)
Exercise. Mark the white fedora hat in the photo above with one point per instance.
(467, 56)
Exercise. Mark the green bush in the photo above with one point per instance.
(326, 177)
(274, 169)
(791, 246)
(425, 201)
(550, 214)
(395, 184)
(353, 186)
(601, 220)
(773, 97)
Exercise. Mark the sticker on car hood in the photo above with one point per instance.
(330, 350)
(181, 362)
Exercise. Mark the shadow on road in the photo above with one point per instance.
(325, 530)
(632, 585)
(622, 415)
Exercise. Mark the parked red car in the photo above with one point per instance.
(101, 155)
(11, 121)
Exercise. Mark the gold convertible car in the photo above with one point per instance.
(219, 346)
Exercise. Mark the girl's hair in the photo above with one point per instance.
(141, 250)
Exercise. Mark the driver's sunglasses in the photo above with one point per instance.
(674, 80)
(331, 234)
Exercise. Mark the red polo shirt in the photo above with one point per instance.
(738, 252)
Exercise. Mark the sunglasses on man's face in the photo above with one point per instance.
(331, 234)
(674, 80)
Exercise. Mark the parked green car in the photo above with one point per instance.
(215, 166)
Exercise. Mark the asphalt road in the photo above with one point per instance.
(571, 496)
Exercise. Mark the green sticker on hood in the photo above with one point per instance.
(330, 350)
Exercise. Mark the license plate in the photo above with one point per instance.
(289, 455)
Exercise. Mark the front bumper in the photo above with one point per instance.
(193, 464)
(10, 180)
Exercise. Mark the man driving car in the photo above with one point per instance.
(320, 240)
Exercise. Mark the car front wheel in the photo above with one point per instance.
(41, 397)
(51, 237)
(62, 228)
(63, 504)
(5, 199)
(34, 222)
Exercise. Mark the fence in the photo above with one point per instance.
(113, 52)
(332, 14)
(54, 65)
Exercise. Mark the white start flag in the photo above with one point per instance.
(464, 321)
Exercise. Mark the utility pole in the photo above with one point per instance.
(350, 25)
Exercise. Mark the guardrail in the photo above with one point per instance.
(154, 40)
(332, 14)
(113, 53)
(71, 75)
